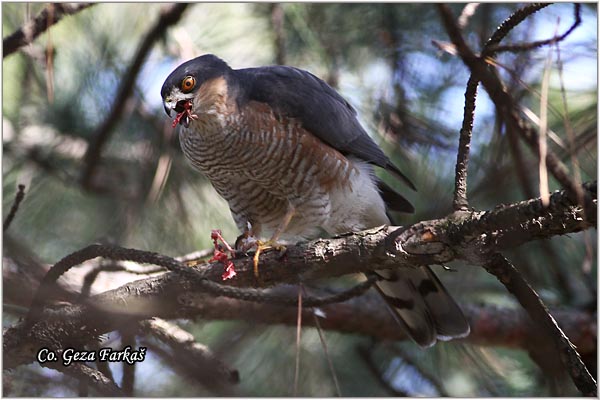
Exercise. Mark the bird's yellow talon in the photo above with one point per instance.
(255, 259)
(262, 246)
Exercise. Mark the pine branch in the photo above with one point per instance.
(15, 207)
(470, 237)
(52, 14)
(503, 101)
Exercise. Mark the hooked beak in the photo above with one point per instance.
(168, 110)
(176, 104)
(169, 106)
(183, 108)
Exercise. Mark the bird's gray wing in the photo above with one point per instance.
(322, 111)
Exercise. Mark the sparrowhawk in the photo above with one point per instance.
(289, 155)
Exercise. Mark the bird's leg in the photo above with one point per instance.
(272, 243)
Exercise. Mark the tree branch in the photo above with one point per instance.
(501, 98)
(169, 16)
(93, 378)
(513, 21)
(528, 298)
(199, 359)
(15, 207)
(470, 237)
(490, 325)
(53, 13)
(172, 296)
(495, 49)
(460, 201)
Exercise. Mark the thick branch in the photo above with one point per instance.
(515, 224)
(172, 296)
(470, 237)
(32, 29)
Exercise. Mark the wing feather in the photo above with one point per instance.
(296, 93)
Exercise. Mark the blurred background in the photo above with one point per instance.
(58, 98)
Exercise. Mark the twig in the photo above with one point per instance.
(462, 159)
(110, 252)
(510, 23)
(15, 207)
(510, 277)
(553, 163)
(196, 255)
(338, 391)
(169, 16)
(161, 175)
(117, 253)
(568, 127)
(91, 276)
(539, 43)
(32, 29)
(501, 99)
(460, 202)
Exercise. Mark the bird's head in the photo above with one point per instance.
(186, 82)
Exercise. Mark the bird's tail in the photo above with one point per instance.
(421, 305)
(393, 200)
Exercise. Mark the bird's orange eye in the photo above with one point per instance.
(188, 83)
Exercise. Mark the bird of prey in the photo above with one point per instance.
(289, 155)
